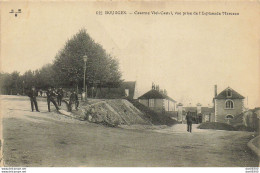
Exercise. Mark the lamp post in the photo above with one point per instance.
(85, 57)
(23, 87)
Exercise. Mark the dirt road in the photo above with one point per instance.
(51, 139)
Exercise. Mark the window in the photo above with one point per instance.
(229, 117)
(151, 102)
(229, 104)
(229, 93)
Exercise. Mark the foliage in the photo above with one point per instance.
(69, 63)
(67, 70)
(10, 83)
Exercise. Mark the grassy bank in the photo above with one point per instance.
(224, 126)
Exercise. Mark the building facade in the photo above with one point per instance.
(228, 104)
(126, 90)
(199, 113)
(157, 101)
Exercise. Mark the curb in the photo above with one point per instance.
(253, 147)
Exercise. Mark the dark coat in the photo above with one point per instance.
(50, 94)
(74, 97)
(189, 118)
(32, 94)
(60, 92)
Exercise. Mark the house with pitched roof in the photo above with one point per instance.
(228, 104)
(157, 101)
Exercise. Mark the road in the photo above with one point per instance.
(50, 139)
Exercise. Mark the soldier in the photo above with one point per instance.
(74, 99)
(189, 121)
(60, 96)
(50, 98)
(33, 94)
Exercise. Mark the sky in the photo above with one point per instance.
(186, 55)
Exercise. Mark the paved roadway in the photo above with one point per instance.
(51, 139)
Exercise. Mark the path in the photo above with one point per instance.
(51, 139)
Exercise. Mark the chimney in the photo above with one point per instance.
(216, 91)
(153, 86)
(157, 88)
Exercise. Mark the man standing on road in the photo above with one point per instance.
(189, 121)
(50, 98)
(33, 94)
(74, 99)
(60, 96)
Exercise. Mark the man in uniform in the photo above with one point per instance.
(74, 99)
(33, 94)
(50, 98)
(189, 121)
(60, 96)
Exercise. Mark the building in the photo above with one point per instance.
(228, 104)
(130, 89)
(199, 113)
(126, 90)
(157, 101)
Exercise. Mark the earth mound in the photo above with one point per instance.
(113, 112)
(116, 112)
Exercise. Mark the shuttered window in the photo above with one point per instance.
(151, 102)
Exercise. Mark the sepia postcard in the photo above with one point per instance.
(130, 84)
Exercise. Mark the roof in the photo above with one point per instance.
(154, 94)
(234, 95)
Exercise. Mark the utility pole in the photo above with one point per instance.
(23, 87)
(85, 57)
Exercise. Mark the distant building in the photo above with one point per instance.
(158, 101)
(228, 104)
(126, 90)
(130, 89)
(200, 114)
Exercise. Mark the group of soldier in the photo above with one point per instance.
(51, 94)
